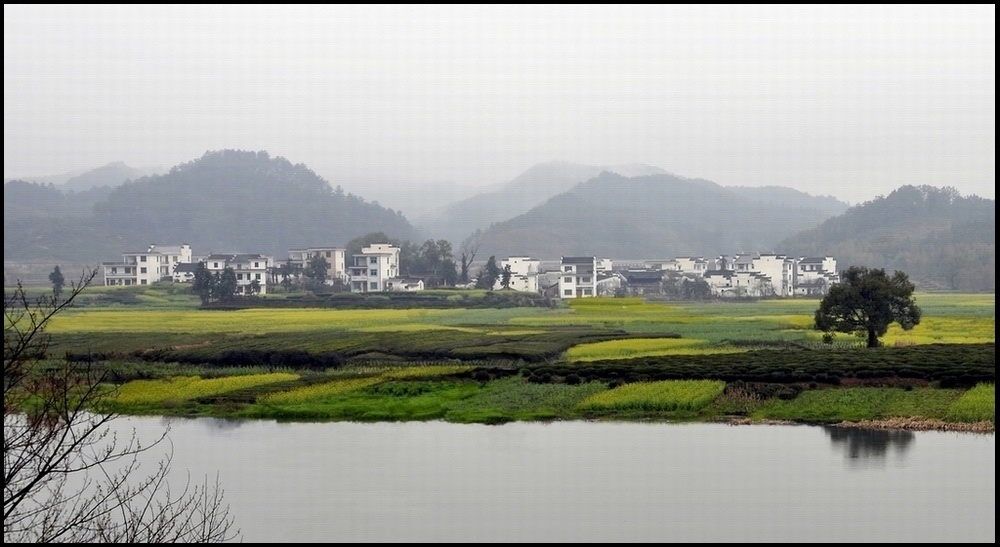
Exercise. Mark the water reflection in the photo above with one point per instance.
(590, 482)
(866, 447)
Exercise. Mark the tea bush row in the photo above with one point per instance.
(950, 365)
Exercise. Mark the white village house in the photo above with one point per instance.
(251, 270)
(372, 269)
(146, 267)
(524, 272)
(336, 261)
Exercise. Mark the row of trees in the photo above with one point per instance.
(219, 286)
(433, 261)
(311, 277)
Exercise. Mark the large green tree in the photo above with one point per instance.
(225, 284)
(204, 283)
(489, 274)
(316, 270)
(866, 301)
(505, 276)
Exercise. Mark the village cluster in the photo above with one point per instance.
(376, 269)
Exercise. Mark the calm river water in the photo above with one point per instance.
(589, 482)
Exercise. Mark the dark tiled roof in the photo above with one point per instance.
(640, 276)
(578, 260)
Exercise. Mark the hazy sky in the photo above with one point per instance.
(845, 100)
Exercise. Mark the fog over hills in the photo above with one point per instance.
(110, 175)
(655, 216)
(458, 219)
(239, 201)
(225, 201)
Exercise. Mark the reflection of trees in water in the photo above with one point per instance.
(861, 444)
(224, 424)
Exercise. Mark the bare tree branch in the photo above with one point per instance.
(67, 475)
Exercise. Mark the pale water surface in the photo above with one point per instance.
(589, 482)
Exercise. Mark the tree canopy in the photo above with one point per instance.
(57, 279)
(316, 270)
(489, 274)
(865, 302)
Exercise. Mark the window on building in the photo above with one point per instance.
(239, 277)
(586, 292)
(142, 258)
(372, 272)
(256, 276)
(328, 254)
(143, 282)
(568, 279)
(567, 268)
(373, 285)
(586, 279)
(373, 260)
(142, 270)
(568, 292)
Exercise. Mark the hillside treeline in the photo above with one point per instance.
(227, 201)
(942, 240)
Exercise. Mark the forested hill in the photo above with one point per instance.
(941, 239)
(654, 216)
(225, 201)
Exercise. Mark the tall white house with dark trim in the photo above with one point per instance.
(371, 270)
(780, 269)
(578, 277)
(146, 267)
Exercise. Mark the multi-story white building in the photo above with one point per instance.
(374, 267)
(336, 260)
(251, 270)
(578, 277)
(780, 269)
(145, 267)
(524, 273)
(815, 275)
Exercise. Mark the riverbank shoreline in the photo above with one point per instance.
(906, 424)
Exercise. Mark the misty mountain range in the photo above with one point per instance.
(240, 201)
